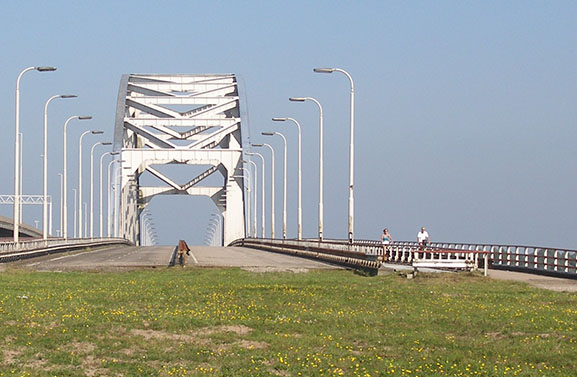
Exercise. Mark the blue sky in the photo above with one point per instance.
(465, 111)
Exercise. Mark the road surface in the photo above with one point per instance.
(123, 257)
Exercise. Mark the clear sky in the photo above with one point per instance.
(466, 112)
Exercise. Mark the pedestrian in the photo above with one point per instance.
(423, 238)
(386, 240)
(183, 250)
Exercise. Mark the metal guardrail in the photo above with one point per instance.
(336, 252)
(530, 259)
(10, 251)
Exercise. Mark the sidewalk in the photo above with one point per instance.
(539, 281)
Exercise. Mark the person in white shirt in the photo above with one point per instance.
(423, 238)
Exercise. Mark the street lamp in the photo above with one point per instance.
(109, 211)
(321, 211)
(45, 165)
(262, 225)
(271, 186)
(284, 181)
(80, 178)
(17, 159)
(74, 191)
(60, 230)
(64, 208)
(351, 146)
(100, 188)
(299, 206)
(92, 184)
(255, 178)
(248, 189)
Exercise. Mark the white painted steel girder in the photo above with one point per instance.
(179, 119)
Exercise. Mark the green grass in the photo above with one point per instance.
(191, 322)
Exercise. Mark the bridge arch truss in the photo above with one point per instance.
(179, 119)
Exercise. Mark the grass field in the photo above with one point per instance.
(191, 322)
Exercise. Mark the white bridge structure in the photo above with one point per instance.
(179, 119)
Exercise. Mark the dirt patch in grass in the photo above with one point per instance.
(81, 347)
(252, 345)
(90, 365)
(37, 363)
(10, 356)
(155, 334)
(193, 336)
(236, 329)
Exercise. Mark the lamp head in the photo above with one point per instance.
(324, 70)
(96, 132)
(297, 99)
(257, 145)
(106, 143)
(84, 117)
(45, 69)
(279, 119)
(267, 133)
(114, 153)
(68, 96)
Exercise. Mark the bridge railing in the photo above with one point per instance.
(10, 251)
(531, 259)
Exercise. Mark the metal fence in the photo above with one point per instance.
(531, 259)
(10, 251)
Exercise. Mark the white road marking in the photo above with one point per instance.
(193, 257)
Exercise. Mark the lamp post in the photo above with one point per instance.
(80, 219)
(17, 159)
(100, 189)
(64, 204)
(262, 225)
(108, 209)
(284, 181)
(321, 210)
(299, 204)
(351, 147)
(255, 178)
(75, 211)
(21, 175)
(248, 189)
(92, 184)
(60, 175)
(271, 186)
(45, 165)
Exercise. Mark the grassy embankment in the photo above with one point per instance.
(236, 323)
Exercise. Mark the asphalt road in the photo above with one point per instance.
(127, 257)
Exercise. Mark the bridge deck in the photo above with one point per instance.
(113, 258)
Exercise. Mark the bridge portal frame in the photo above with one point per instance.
(179, 119)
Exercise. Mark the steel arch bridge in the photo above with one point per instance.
(179, 119)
